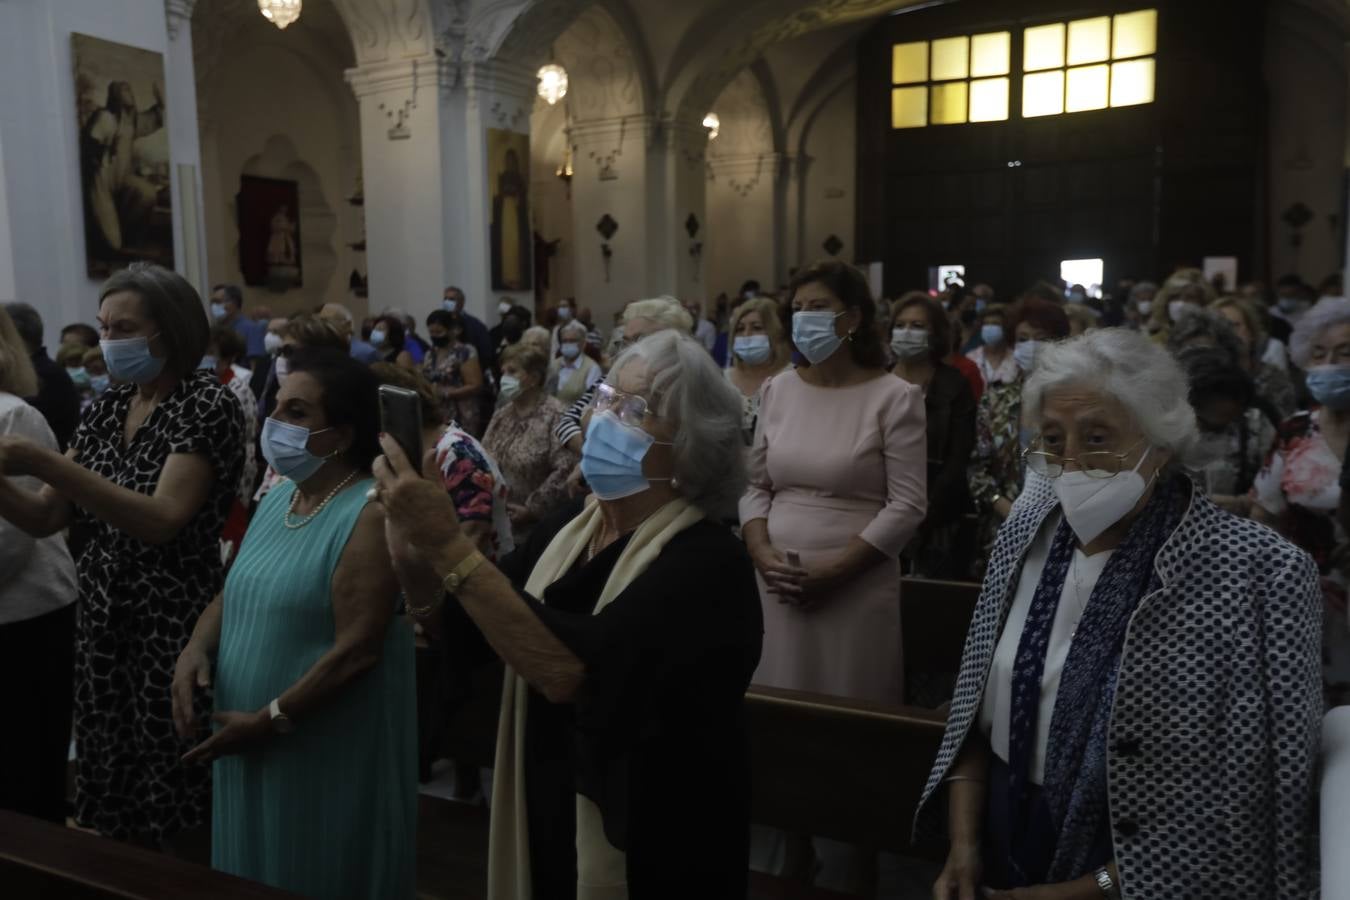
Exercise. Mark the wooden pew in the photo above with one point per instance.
(840, 768)
(42, 861)
(934, 618)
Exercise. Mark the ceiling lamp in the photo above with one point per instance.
(280, 12)
(713, 124)
(552, 83)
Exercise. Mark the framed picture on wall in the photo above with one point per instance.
(269, 232)
(124, 155)
(510, 237)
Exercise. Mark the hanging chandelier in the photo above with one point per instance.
(280, 12)
(713, 124)
(552, 83)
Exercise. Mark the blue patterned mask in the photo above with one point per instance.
(130, 360)
(611, 457)
(286, 449)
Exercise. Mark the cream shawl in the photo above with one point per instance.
(601, 868)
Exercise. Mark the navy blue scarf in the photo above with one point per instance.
(1075, 765)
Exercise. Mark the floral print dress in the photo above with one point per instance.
(444, 368)
(1300, 485)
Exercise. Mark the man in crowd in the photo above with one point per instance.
(475, 332)
(341, 317)
(56, 399)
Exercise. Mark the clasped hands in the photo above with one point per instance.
(796, 586)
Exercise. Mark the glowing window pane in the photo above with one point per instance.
(989, 100)
(909, 107)
(1089, 40)
(1086, 89)
(1042, 94)
(1043, 47)
(951, 58)
(989, 54)
(949, 103)
(1136, 34)
(1132, 82)
(909, 63)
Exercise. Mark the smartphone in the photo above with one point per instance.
(401, 418)
(794, 558)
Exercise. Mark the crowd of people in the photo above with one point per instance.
(217, 565)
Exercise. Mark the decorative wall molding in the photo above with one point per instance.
(400, 86)
(505, 91)
(177, 15)
(388, 30)
(745, 172)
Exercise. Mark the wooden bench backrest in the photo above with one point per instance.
(42, 861)
(839, 768)
(934, 619)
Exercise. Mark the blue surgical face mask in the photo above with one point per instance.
(99, 383)
(1289, 304)
(129, 359)
(991, 335)
(208, 363)
(611, 457)
(78, 375)
(450, 305)
(286, 449)
(753, 349)
(813, 333)
(564, 313)
(909, 343)
(980, 304)
(377, 336)
(1330, 386)
(570, 351)
(1025, 354)
(217, 310)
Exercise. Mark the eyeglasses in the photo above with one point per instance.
(1096, 464)
(630, 409)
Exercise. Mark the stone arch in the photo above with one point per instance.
(604, 69)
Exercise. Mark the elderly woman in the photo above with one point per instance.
(639, 319)
(37, 619)
(453, 368)
(759, 350)
(1235, 433)
(1208, 328)
(1185, 291)
(147, 482)
(1263, 358)
(995, 472)
(838, 489)
(630, 628)
(521, 438)
(573, 373)
(1171, 750)
(920, 334)
(314, 748)
(1298, 490)
(1139, 306)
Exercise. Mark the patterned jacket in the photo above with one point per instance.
(1214, 733)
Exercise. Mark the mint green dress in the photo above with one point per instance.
(330, 810)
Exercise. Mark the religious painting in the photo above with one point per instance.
(269, 232)
(511, 238)
(124, 155)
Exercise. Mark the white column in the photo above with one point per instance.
(680, 159)
(404, 180)
(180, 88)
(8, 291)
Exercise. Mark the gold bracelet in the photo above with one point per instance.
(419, 612)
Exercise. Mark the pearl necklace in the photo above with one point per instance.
(318, 509)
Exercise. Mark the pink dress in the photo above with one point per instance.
(829, 465)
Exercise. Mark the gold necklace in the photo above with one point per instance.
(290, 511)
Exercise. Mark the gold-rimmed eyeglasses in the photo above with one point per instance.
(631, 409)
(1094, 464)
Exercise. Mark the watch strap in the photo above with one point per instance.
(460, 574)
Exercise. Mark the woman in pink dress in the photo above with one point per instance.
(838, 488)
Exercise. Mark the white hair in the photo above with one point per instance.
(573, 327)
(685, 386)
(666, 312)
(1325, 313)
(339, 310)
(1128, 366)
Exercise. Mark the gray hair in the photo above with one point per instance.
(27, 322)
(573, 327)
(684, 385)
(338, 310)
(1205, 328)
(1326, 313)
(1130, 367)
(664, 311)
(1142, 286)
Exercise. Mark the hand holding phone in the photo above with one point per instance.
(401, 419)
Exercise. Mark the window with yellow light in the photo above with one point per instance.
(1096, 63)
(951, 81)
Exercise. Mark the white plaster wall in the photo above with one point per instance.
(551, 200)
(277, 112)
(41, 142)
(1305, 68)
(742, 170)
(7, 290)
(828, 199)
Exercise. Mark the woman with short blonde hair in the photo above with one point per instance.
(759, 351)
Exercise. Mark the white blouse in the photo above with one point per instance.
(997, 704)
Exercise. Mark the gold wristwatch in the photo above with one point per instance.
(467, 566)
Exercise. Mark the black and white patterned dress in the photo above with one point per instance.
(139, 603)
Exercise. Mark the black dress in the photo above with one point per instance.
(138, 605)
(656, 736)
